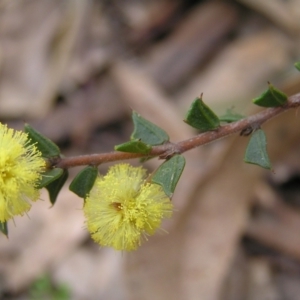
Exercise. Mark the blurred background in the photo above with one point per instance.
(75, 70)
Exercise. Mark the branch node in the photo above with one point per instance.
(248, 130)
(172, 150)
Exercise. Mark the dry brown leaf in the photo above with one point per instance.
(36, 40)
(285, 14)
(42, 241)
(203, 30)
(240, 71)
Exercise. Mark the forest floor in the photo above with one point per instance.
(76, 69)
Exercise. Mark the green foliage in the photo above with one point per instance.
(134, 146)
(297, 65)
(55, 186)
(3, 228)
(231, 116)
(144, 136)
(168, 174)
(84, 181)
(43, 288)
(201, 117)
(49, 176)
(46, 146)
(256, 152)
(147, 132)
(272, 97)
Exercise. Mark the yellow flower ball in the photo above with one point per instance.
(21, 166)
(122, 208)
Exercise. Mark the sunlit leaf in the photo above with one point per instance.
(272, 97)
(297, 65)
(147, 132)
(84, 181)
(46, 146)
(168, 174)
(49, 176)
(256, 152)
(231, 116)
(201, 117)
(134, 146)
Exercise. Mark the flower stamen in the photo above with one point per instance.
(117, 206)
(21, 165)
(137, 213)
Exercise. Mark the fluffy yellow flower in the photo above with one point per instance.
(21, 165)
(122, 208)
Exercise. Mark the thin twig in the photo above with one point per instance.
(169, 149)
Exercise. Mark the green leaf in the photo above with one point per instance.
(46, 146)
(272, 97)
(147, 132)
(201, 117)
(55, 186)
(43, 288)
(3, 228)
(256, 152)
(84, 181)
(146, 158)
(135, 146)
(230, 116)
(49, 176)
(168, 174)
(297, 65)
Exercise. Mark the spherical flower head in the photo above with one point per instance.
(122, 207)
(21, 166)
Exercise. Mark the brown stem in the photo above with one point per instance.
(169, 149)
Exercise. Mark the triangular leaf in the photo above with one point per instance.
(84, 181)
(55, 186)
(147, 132)
(146, 158)
(297, 65)
(134, 146)
(168, 174)
(3, 228)
(201, 117)
(256, 152)
(46, 146)
(230, 116)
(272, 97)
(49, 176)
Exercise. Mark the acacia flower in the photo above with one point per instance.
(21, 165)
(122, 207)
